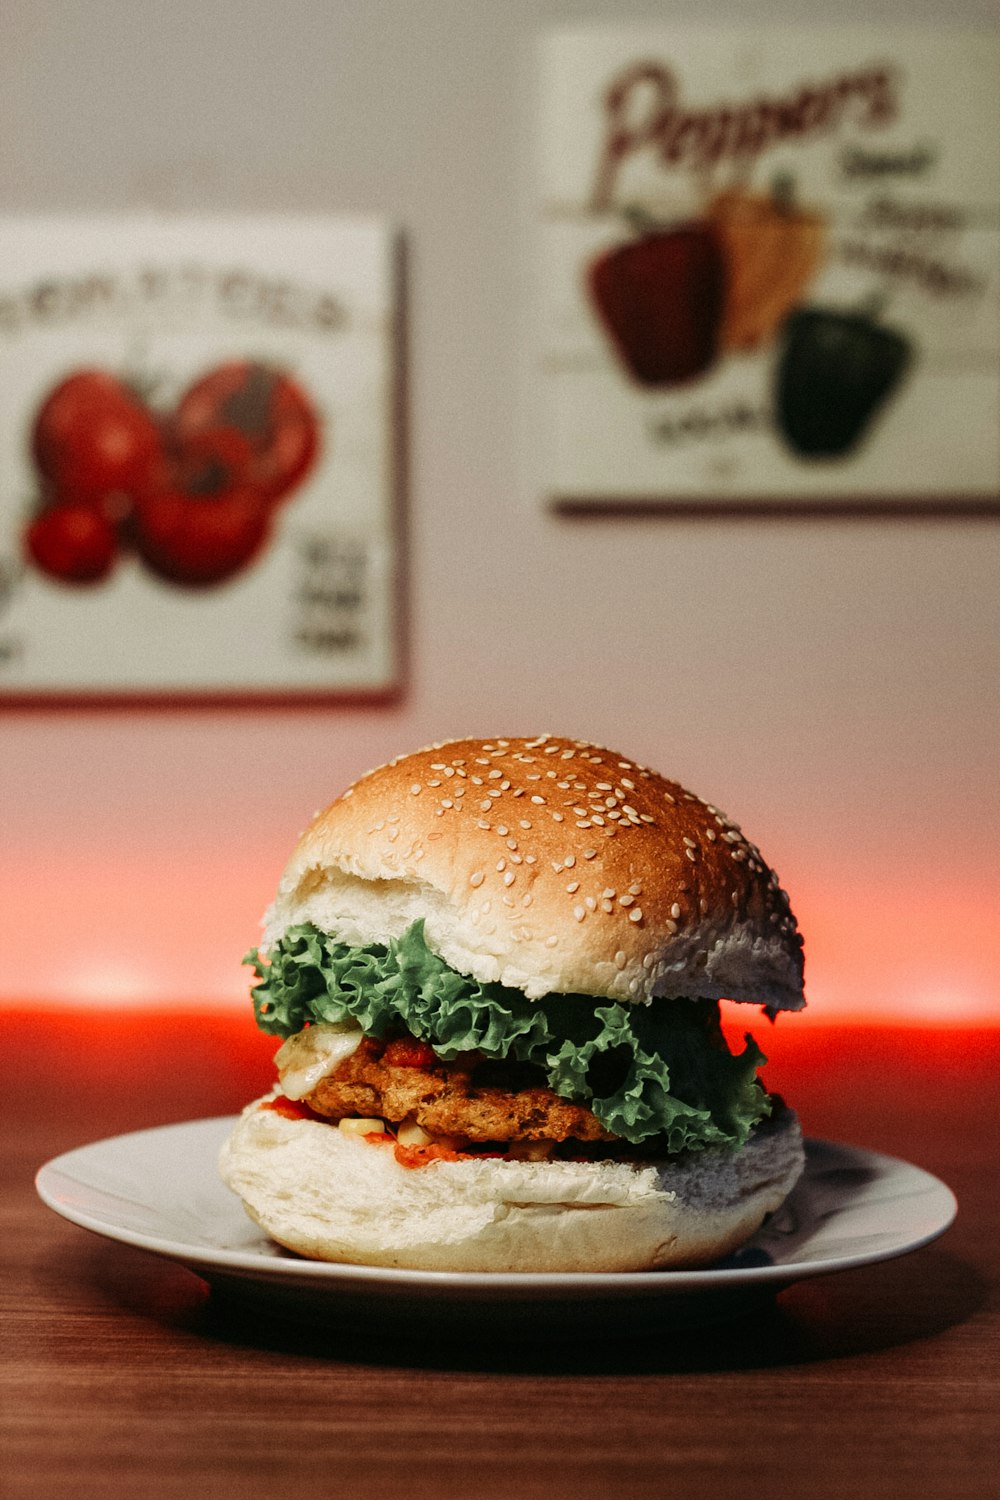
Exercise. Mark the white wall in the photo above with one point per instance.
(833, 684)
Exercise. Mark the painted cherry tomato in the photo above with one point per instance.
(268, 409)
(93, 439)
(206, 523)
(72, 542)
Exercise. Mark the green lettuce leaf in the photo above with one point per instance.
(645, 1070)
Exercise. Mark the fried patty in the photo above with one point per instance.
(481, 1100)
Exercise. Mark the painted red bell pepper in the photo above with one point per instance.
(660, 298)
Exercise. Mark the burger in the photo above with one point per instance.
(496, 967)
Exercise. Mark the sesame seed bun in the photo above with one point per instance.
(332, 1196)
(553, 866)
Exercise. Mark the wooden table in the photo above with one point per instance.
(123, 1376)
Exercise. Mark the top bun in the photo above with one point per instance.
(551, 865)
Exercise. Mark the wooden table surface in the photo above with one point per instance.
(123, 1376)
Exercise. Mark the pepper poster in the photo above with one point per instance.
(770, 268)
(198, 456)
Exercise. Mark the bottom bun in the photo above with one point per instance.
(333, 1196)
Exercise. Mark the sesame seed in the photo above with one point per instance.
(589, 853)
(635, 915)
(509, 877)
(579, 912)
(607, 906)
(482, 823)
(607, 895)
(486, 804)
(416, 789)
(569, 861)
(434, 781)
(523, 823)
(447, 802)
(635, 890)
(691, 855)
(476, 878)
(501, 866)
(558, 818)
(675, 910)
(620, 959)
(583, 823)
(626, 900)
(573, 887)
(537, 799)
(502, 830)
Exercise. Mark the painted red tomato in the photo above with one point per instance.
(268, 409)
(93, 441)
(73, 542)
(205, 524)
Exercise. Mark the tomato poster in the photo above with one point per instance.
(771, 267)
(198, 458)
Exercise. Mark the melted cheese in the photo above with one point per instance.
(309, 1056)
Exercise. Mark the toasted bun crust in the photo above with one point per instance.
(551, 865)
(331, 1196)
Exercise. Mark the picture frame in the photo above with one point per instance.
(201, 454)
(769, 270)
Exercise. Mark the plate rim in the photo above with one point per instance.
(286, 1269)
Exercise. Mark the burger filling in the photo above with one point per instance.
(391, 1033)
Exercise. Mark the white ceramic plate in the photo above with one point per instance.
(159, 1190)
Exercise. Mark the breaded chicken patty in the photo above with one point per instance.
(482, 1101)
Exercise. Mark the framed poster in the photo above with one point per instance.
(198, 451)
(771, 268)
